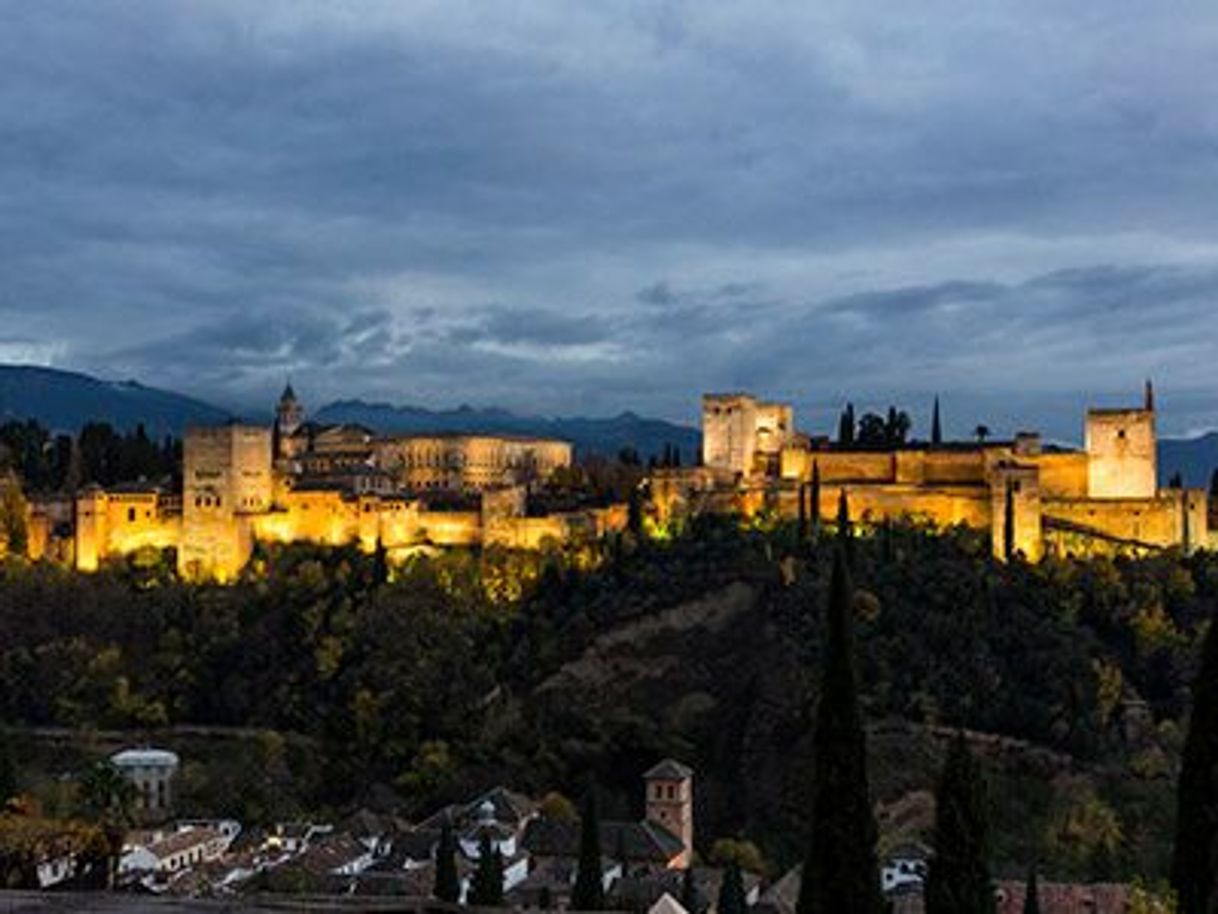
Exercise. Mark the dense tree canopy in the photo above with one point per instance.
(437, 681)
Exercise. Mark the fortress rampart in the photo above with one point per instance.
(1049, 499)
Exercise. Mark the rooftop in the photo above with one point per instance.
(669, 769)
(145, 758)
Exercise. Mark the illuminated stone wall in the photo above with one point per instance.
(118, 523)
(1105, 494)
(469, 462)
(1173, 517)
(1120, 446)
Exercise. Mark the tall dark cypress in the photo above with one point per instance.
(803, 513)
(814, 499)
(689, 892)
(486, 888)
(634, 511)
(845, 426)
(1194, 868)
(447, 885)
(841, 874)
(8, 770)
(588, 894)
(958, 877)
(1008, 524)
(731, 891)
(936, 426)
(380, 564)
(1031, 894)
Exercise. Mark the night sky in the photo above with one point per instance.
(579, 208)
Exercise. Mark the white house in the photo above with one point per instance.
(151, 771)
(175, 852)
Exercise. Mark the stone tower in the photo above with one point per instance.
(1015, 506)
(1121, 458)
(226, 478)
(729, 431)
(289, 414)
(670, 802)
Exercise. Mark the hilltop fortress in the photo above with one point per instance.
(298, 480)
(1046, 498)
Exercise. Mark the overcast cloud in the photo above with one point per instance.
(567, 207)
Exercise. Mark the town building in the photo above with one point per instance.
(168, 854)
(152, 773)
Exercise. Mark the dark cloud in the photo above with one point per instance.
(577, 207)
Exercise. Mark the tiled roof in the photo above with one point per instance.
(182, 840)
(669, 770)
(636, 841)
(328, 854)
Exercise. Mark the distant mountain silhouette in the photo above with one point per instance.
(599, 436)
(65, 400)
(1193, 458)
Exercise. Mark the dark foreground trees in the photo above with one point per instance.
(840, 874)
(958, 879)
(1194, 872)
(588, 893)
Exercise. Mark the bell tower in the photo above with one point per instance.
(670, 803)
(289, 414)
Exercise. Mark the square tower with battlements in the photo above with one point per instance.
(1121, 452)
(738, 429)
(226, 478)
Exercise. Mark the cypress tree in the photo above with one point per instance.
(731, 891)
(486, 889)
(689, 892)
(845, 426)
(958, 877)
(1195, 858)
(814, 499)
(634, 512)
(1214, 483)
(448, 884)
(8, 770)
(1031, 894)
(936, 426)
(840, 874)
(1008, 524)
(588, 894)
(380, 564)
(803, 512)
(843, 515)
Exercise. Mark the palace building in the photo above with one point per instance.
(298, 480)
(1049, 498)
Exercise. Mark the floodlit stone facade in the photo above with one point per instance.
(298, 481)
(1105, 496)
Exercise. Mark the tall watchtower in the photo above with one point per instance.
(226, 476)
(670, 802)
(729, 431)
(1121, 458)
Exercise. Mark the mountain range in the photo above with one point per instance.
(590, 436)
(63, 401)
(66, 400)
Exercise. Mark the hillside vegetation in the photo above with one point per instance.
(532, 670)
